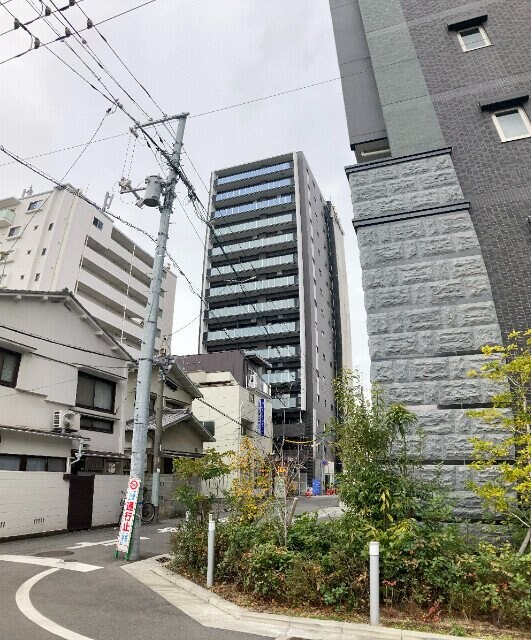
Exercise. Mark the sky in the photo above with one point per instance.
(191, 55)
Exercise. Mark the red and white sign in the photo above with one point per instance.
(128, 515)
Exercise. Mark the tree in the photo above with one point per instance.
(203, 478)
(378, 480)
(504, 482)
(250, 491)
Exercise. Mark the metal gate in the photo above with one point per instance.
(80, 499)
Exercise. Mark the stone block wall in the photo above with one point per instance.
(429, 304)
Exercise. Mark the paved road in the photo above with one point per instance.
(100, 604)
(316, 503)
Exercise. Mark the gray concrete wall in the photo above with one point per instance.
(429, 303)
(362, 104)
(408, 112)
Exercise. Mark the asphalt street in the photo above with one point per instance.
(97, 604)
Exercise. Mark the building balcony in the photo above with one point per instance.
(282, 376)
(7, 216)
(273, 307)
(264, 265)
(269, 284)
(251, 192)
(250, 227)
(259, 245)
(259, 173)
(254, 331)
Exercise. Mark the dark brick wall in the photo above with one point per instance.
(494, 176)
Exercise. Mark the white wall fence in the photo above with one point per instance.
(37, 502)
(32, 502)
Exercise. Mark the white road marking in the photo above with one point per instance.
(26, 607)
(167, 530)
(103, 543)
(51, 562)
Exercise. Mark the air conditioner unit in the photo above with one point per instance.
(252, 381)
(65, 421)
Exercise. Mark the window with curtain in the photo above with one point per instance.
(95, 393)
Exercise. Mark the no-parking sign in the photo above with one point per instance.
(128, 515)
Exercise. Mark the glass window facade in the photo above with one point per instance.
(261, 171)
(274, 305)
(286, 402)
(284, 375)
(255, 330)
(254, 188)
(256, 285)
(254, 264)
(268, 241)
(255, 224)
(253, 206)
(278, 352)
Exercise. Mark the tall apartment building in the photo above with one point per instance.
(55, 240)
(274, 280)
(436, 97)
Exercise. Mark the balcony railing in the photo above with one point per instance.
(247, 245)
(255, 285)
(6, 217)
(285, 198)
(254, 330)
(258, 307)
(285, 375)
(254, 188)
(250, 225)
(261, 171)
(251, 265)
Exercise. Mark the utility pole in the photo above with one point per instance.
(145, 362)
(159, 409)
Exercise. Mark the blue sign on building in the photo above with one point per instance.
(261, 416)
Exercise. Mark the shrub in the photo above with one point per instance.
(265, 568)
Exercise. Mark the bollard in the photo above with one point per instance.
(211, 548)
(374, 581)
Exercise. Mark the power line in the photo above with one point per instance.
(60, 38)
(183, 327)
(107, 113)
(26, 24)
(62, 344)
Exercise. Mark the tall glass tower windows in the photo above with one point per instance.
(254, 244)
(285, 198)
(286, 304)
(255, 224)
(261, 171)
(251, 265)
(254, 188)
(254, 330)
(255, 285)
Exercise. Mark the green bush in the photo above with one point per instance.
(326, 563)
(265, 568)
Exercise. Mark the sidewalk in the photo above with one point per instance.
(211, 610)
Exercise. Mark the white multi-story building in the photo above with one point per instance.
(56, 240)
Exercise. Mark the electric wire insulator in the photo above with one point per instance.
(71, 3)
(67, 32)
(36, 43)
(16, 24)
(47, 11)
(90, 24)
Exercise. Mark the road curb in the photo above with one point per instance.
(212, 610)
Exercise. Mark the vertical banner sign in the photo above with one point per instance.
(261, 416)
(128, 515)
